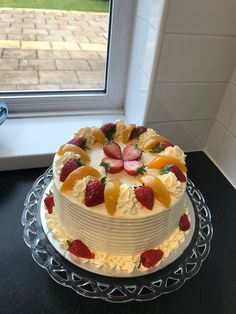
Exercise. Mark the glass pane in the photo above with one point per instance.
(52, 45)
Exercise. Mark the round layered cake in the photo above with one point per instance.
(118, 196)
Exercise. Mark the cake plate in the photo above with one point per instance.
(88, 284)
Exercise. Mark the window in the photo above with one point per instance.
(108, 95)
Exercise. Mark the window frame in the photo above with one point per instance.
(111, 99)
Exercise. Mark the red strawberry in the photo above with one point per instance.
(49, 203)
(150, 258)
(131, 152)
(145, 196)
(184, 223)
(112, 150)
(136, 132)
(109, 129)
(134, 167)
(161, 146)
(79, 249)
(177, 172)
(78, 141)
(94, 193)
(68, 167)
(112, 165)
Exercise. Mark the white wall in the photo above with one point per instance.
(197, 58)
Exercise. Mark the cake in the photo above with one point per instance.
(118, 197)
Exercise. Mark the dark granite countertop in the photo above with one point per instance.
(27, 288)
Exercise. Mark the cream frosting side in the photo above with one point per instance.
(175, 152)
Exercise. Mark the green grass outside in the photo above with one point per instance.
(75, 5)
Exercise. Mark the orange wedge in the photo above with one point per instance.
(75, 149)
(161, 161)
(160, 191)
(127, 132)
(111, 194)
(98, 134)
(153, 141)
(76, 175)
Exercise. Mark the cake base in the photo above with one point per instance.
(176, 253)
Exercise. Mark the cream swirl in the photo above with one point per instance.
(87, 134)
(80, 187)
(127, 202)
(119, 130)
(172, 184)
(61, 160)
(175, 152)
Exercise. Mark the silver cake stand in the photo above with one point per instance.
(92, 285)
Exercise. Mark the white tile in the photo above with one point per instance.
(177, 101)
(189, 135)
(233, 78)
(151, 11)
(228, 105)
(144, 45)
(215, 140)
(202, 17)
(196, 58)
(232, 123)
(137, 95)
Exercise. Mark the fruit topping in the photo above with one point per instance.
(78, 248)
(131, 152)
(76, 175)
(153, 141)
(98, 135)
(109, 130)
(94, 193)
(161, 146)
(137, 131)
(145, 196)
(134, 167)
(150, 258)
(111, 194)
(160, 191)
(127, 132)
(177, 172)
(74, 149)
(184, 223)
(49, 202)
(70, 166)
(112, 150)
(161, 161)
(112, 165)
(78, 141)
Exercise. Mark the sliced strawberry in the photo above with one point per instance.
(184, 223)
(78, 248)
(136, 132)
(112, 150)
(109, 130)
(150, 258)
(145, 196)
(177, 172)
(78, 141)
(49, 203)
(112, 165)
(132, 152)
(134, 167)
(94, 193)
(70, 166)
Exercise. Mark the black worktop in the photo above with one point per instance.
(27, 288)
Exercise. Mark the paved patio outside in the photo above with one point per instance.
(52, 49)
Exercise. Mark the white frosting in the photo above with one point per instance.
(87, 134)
(175, 152)
(61, 160)
(174, 186)
(127, 202)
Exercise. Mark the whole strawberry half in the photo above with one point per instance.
(70, 166)
(78, 248)
(161, 146)
(134, 167)
(177, 172)
(145, 196)
(184, 223)
(112, 150)
(132, 152)
(112, 165)
(109, 129)
(150, 258)
(94, 193)
(78, 141)
(49, 203)
(136, 132)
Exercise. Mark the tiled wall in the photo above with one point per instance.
(221, 145)
(198, 54)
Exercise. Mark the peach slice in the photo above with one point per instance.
(161, 161)
(76, 175)
(75, 149)
(111, 194)
(153, 141)
(98, 134)
(160, 191)
(127, 132)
